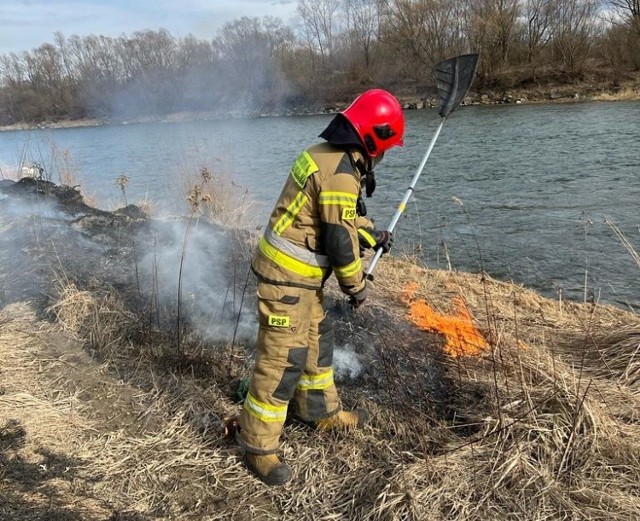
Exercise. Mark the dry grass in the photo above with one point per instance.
(64, 166)
(104, 323)
(629, 93)
(560, 439)
(542, 425)
(624, 240)
(61, 168)
(213, 195)
(43, 428)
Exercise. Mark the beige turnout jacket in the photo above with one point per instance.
(313, 229)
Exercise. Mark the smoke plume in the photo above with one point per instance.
(346, 363)
(195, 262)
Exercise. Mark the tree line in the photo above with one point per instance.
(335, 49)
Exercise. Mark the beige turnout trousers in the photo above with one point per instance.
(293, 363)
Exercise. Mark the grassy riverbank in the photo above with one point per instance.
(489, 401)
(543, 94)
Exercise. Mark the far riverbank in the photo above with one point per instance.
(547, 94)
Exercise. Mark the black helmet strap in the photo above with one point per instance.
(366, 171)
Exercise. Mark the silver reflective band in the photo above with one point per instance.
(300, 254)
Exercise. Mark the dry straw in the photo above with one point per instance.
(540, 424)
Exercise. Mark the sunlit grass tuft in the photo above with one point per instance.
(625, 94)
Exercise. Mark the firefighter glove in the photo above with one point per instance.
(376, 239)
(384, 240)
(356, 300)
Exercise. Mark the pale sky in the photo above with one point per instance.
(26, 24)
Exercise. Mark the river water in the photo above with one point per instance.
(528, 193)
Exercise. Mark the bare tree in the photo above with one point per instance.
(192, 52)
(621, 41)
(423, 32)
(537, 16)
(342, 45)
(149, 62)
(148, 52)
(14, 88)
(12, 70)
(321, 24)
(50, 82)
(491, 27)
(629, 11)
(97, 57)
(250, 50)
(574, 30)
(98, 64)
(363, 27)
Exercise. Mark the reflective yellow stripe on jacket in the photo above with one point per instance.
(303, 168)
(289, 216)
(305, 238)
(349, 270)
(340, 198)
(291, 257)
(367, 237)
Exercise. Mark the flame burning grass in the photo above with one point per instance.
(461, 335)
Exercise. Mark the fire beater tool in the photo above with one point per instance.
(453, 79)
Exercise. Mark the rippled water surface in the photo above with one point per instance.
(523, 192)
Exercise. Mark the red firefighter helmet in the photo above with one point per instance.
(378, 120)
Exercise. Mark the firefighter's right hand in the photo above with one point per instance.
(358, 299)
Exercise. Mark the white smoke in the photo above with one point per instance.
(346, 363)
(35, 210)
(37, 243)
(37, 238)
(213, 298)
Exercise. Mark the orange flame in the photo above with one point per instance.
(462, 336)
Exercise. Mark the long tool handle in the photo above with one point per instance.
(407, 195)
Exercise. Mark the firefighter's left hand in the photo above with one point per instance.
(384, 240)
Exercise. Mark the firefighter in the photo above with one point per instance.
(317, 227)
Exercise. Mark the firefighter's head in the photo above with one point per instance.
(378, 119)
